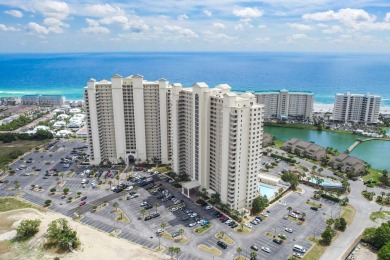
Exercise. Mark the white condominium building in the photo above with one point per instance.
(129, 119)
(356, 108)
(216, 140)
(284, 104)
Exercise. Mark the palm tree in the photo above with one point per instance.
(110, 182)
(222, 234)
(171, 250)
(253, 255)
(143, 210)
(115, 204)
(181, 232)
(156, 206)
(388, 196)
(16, 183)
(136, 188)
(382, 194)
(6, 182)
(239, 250)
(41, 158)
(289, 210)
(163, 225)
(62, 175)
(177, 251)
(117, 178)
(303, 214)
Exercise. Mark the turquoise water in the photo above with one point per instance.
(376, 153)
(267, 191)
(325, 74)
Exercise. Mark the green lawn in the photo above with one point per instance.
(349, 213)
(381, 215)
(162, 169)
(316, 250)
(200, 230)
(374, 175)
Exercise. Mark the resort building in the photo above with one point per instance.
(128, 119)
(285, 104)
(348, 164)
(217, 140)
(43, 100)
(356, 108)
(305, 149)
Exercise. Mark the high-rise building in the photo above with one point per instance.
(128, 119)
(285, 104)
(43, 100)
(217, 139)
(356, 108)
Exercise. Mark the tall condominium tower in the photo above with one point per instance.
(129, 119)
(356, 108)
(284, 104)
(217, 140)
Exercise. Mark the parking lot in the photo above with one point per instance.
(144, 232)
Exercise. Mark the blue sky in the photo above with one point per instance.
(194, 25)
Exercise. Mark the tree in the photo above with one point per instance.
(382, 235)
(47, 202)
(60, 234)
(181, 232)
(239, 250)
(156, 206)
(171, 251)
(110, 182)
(289, 210)
(117, 178)
(259, 204)
(327, 235)
(66, 191)
(163, 225)
(291, 178)
(253, 255)
(27, 228)
(177, 251)
(143, 211)
(115, 205)
(340, 224)
(52, 190)
(16, 183)
(222, 234)
(384, 252)
(79, 193)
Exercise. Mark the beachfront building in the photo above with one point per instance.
(356, 108)
(285, 104)
(128, 119)
(217, 140)
(43, 100)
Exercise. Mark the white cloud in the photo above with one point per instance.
(53, 22)
(239, 27)
(134, 25)
(101, 10)
(263, 40)
(56, 9)
(248, 12)
(301, 27)
(299, 36)
(14, 13)
(262, 26)
(182, 17)
(179, 32)
(220, 37)
(387, 18)
(333, 29)
(35, 28)
(208, 13)
(94, 27)
(5, 28)
(219, 25)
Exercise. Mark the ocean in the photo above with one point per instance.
(322, 73)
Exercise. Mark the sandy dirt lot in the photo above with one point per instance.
(95, 245)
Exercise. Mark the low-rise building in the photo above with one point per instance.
(348, 164)
(21, 110)
(305, 149)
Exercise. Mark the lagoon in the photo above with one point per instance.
(376, 153)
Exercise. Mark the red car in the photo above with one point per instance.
(297, 212)
(83, 203)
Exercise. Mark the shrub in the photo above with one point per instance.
(60, 234)
(27, 228)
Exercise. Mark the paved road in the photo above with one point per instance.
(363, 210)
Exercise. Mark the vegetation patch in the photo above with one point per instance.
(348, 214)
(314, 204)
(11, 151)
(121, 216)
(162, 169)
(380, 216)
(203, 229)
(7, 204)
(225, 238)
(316, 251)
(180, 239)
(209, 250)
(243, 230)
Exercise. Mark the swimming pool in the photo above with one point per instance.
(267, 191)
(325, 183)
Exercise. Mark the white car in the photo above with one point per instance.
(265, 249)
(228, 221)
(193, 215)
(192, 224)
(144, 203)
(129, 188)
(208, 207)
(297, 255)
(173, 209)
(248, 225)
(289, 230)
(134, 196)
(264, 214)
(160, 230)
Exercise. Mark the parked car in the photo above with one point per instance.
(84, 198)
(192, 224)
(175, 234)
(222, 244)
(82, 203)
(253, 247)
(314, 208)
(289, 230)
(277, 241)
(266, 249)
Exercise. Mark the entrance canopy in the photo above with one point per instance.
(187, 186)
